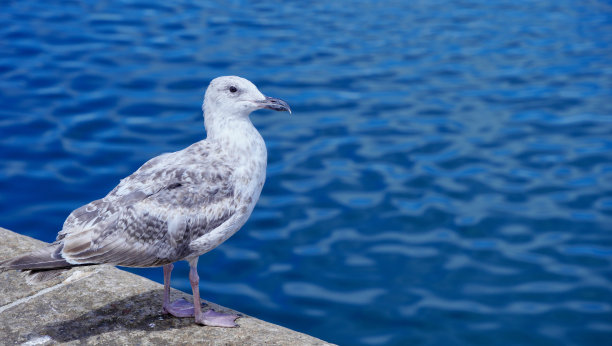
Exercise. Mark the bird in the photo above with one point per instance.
(176, 206)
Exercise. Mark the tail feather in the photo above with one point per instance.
(48, 257)
(40, 265)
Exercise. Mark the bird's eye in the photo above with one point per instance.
(233, 89)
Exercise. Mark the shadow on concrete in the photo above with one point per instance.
(138, 312)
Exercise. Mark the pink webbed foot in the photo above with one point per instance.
(183, 308)
(180, 308)
(218, 319)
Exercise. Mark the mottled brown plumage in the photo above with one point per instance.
(177, 206)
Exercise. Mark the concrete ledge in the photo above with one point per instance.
(105, 305)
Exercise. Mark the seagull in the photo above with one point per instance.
(177, 206)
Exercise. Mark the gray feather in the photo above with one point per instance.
(44, 258)
(153, 215)
(176, 206)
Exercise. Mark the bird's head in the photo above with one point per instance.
(238, 96)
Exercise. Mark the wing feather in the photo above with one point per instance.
(136, 223)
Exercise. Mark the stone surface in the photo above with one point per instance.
(105, 305)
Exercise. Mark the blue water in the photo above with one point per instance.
(446, 177)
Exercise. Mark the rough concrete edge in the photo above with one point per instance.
(78, 274)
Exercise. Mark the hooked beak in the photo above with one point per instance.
(274, 104)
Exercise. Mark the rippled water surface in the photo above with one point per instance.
(446, 177)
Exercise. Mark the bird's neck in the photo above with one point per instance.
(236, 134)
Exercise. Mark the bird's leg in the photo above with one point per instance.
(181, 307)
(167, 272)
(210, 317)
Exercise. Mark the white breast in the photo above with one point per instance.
(248, 154)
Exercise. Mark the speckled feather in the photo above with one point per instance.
(153, 215)
(177, 205)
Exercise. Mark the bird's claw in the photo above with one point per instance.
(180, 308)
(218, 319)
(183, 308)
